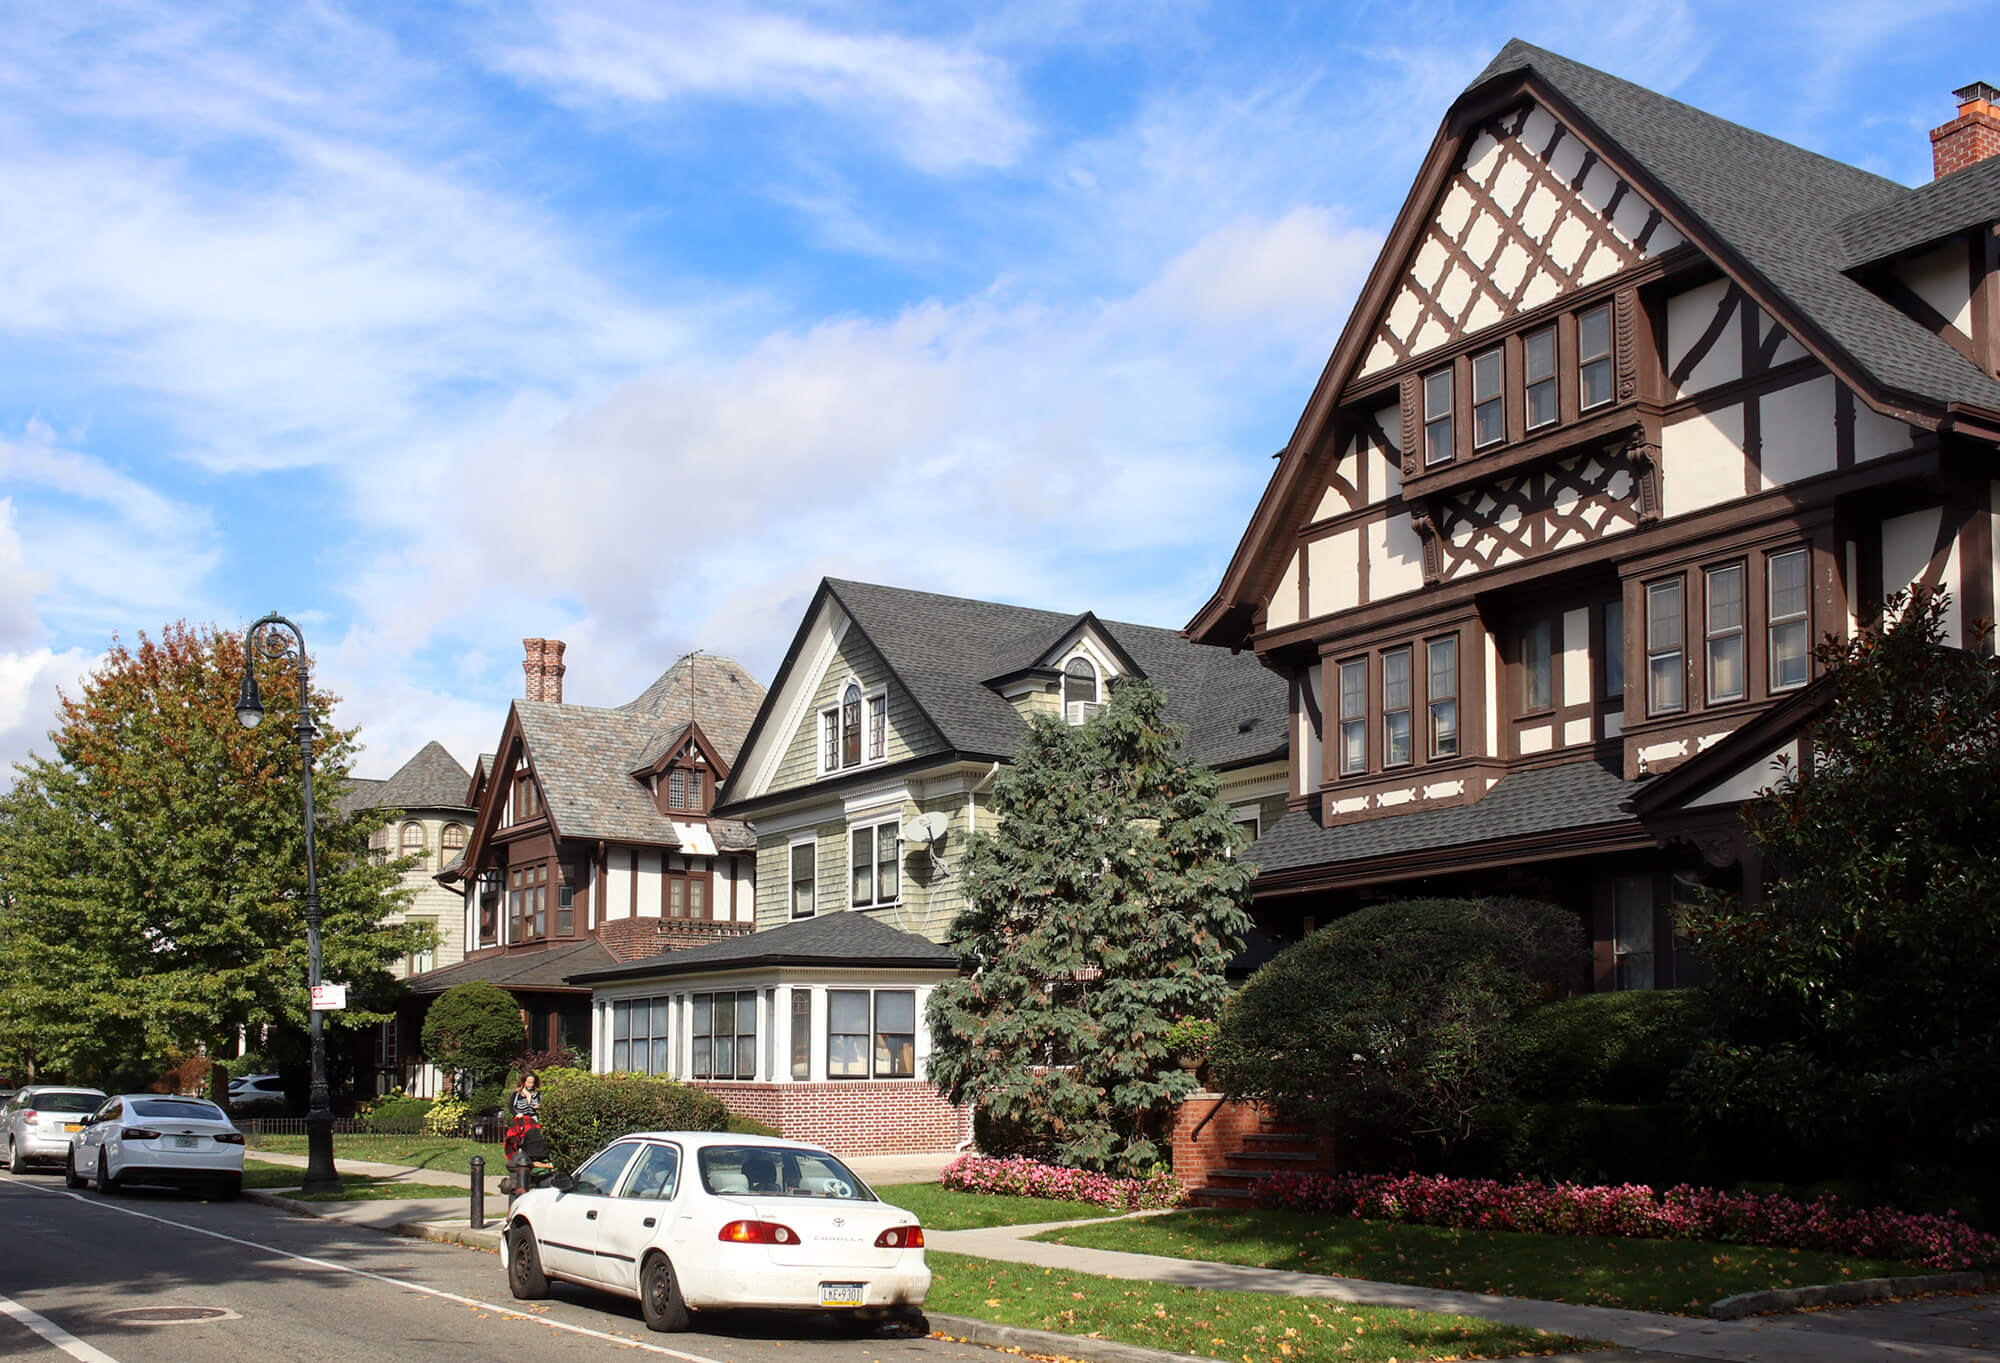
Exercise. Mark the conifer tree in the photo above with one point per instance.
(1101, 911)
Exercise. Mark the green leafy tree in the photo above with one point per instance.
(1395, 1024)
(474, 1031)
(1856, 996)
(1101, 911)
(152, 869)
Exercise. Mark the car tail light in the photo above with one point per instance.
(28, 1116)
(230, 1137)
(901, 1237)
(758, 1233)
(138, 1133)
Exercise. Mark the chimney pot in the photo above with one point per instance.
(1971, 137)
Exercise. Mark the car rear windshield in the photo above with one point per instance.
(779, 1171)
(65, 1102)
(177, 1107)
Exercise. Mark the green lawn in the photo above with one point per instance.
(1253, 1327)
(355, 1187)
(1646, 1275)
(940, 1209)
(443, 1153)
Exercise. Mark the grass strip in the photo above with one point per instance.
(1241, 1327)
(1679, 1276)
(354, 1187)
(445, 1154)
(940, 1208)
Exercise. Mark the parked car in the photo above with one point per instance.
(698, 1221)
(36, 1122)
(256, 1089)
(156, 1138)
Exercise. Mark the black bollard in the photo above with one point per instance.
(479, 1192)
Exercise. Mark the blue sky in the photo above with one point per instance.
(623, 323)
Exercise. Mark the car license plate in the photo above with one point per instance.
(72, 1126)
(841, 1294)
(186, 1142)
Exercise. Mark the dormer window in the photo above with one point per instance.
(1079, 689)
(855, 730)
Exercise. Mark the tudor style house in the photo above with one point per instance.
(869, 765)
(1636, 406)
(594, 840)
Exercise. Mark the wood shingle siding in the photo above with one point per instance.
(909, 733)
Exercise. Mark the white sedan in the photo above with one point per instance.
(697, 1221)
(157, 1138)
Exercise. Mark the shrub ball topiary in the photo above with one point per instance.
(1395, 1023)
(581, 1113)
(474, 1031)
(1624, 1047)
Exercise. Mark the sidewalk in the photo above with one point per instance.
(1961, 1329)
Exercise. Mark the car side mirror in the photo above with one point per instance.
(564, 1183)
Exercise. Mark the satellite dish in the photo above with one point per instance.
(927, 829)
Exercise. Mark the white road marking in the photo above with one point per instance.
(93, 1356)
(54, 1333)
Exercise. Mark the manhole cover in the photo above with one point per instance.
(171, 1315)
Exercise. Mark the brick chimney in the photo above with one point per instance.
(1971, 137)
(544, 666)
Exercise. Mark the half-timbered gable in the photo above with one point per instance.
(1636, 406)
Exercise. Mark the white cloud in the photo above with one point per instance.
(941, 107)
(29, 682)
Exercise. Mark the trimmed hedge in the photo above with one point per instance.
(1625, 1047)
(581, 1113)
(398, 1114)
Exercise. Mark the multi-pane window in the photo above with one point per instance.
(695, 784)
(1724, 632)
(1614, 649)
(724, 1035)
(1538, 356)
(1593, 357)
(1790, 634)
(568, 874)
(871, 1034)
(878, 727)
(1396, 707)
(426, 959)
(805, 875)
(527, 798)
(1353, 716)
(829, 727)
(1442, 656)
(687, 894)
(1489, 407)
(1632, 931)
(1665, 639)
(413, 839)
(1437, 417)
(677, 789)
(802, 1032)
(639, 1036)
(527, 902)
(1537, 667)
(850, 727)
(872, 866)
(1079, 682)
(453, 839)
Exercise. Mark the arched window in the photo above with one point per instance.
(454, 839)
(1079, 681)
(413, 839)
(850, 727)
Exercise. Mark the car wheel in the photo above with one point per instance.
(15, 1164)
(525, 1278)
(660, 1296)
(105, 1183)
(228, 1188)
(71, 1177)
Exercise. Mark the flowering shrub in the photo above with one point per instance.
(448, 1117)
(1635, 1211)
(1030, 1178)
(1192, 1037)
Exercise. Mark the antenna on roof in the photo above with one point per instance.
(688, 658)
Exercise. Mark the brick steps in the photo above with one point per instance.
(1273, 1148)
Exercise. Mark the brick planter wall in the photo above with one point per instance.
(1195, 1156)
(894, 1117)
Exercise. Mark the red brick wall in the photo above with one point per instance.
(1195, 1155)
(1970, 138)
(892, 1117)
(633, 939)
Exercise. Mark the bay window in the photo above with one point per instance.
(724, 1035)
(1353, 716)
(1437, 418)
(1539, 362)
(639, 1036)
(1489, 404)
(871, 1034)
(1665, 640)
(1396, 707)
(1442, 656)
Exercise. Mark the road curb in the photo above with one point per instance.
(465, 1236)
(1842, 1294)
(992, 1336)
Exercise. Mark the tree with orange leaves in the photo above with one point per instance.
(152, 868)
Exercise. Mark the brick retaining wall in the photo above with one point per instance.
(1195, 1156)
(892, 1117)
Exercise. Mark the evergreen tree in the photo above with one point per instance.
(1102, 910)
(152, 871)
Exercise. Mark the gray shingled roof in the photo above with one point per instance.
(843, 938)
(1540, 800)
(1963, 199)
(546, 969)
(359, 795)
(430, 780)
(584, 755)
(943, 648)
(1777, 206)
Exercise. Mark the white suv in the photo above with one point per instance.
(35, 1124)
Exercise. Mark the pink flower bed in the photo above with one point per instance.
(1022, 1177)
(1638, 1212)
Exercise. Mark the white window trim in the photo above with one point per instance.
(875, 867)
(792, 913)
(830, 714)
(823, 1033)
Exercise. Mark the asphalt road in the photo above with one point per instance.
(299, 1290)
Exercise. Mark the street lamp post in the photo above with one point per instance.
(320, 1176)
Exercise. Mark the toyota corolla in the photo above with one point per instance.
(687, 1221)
